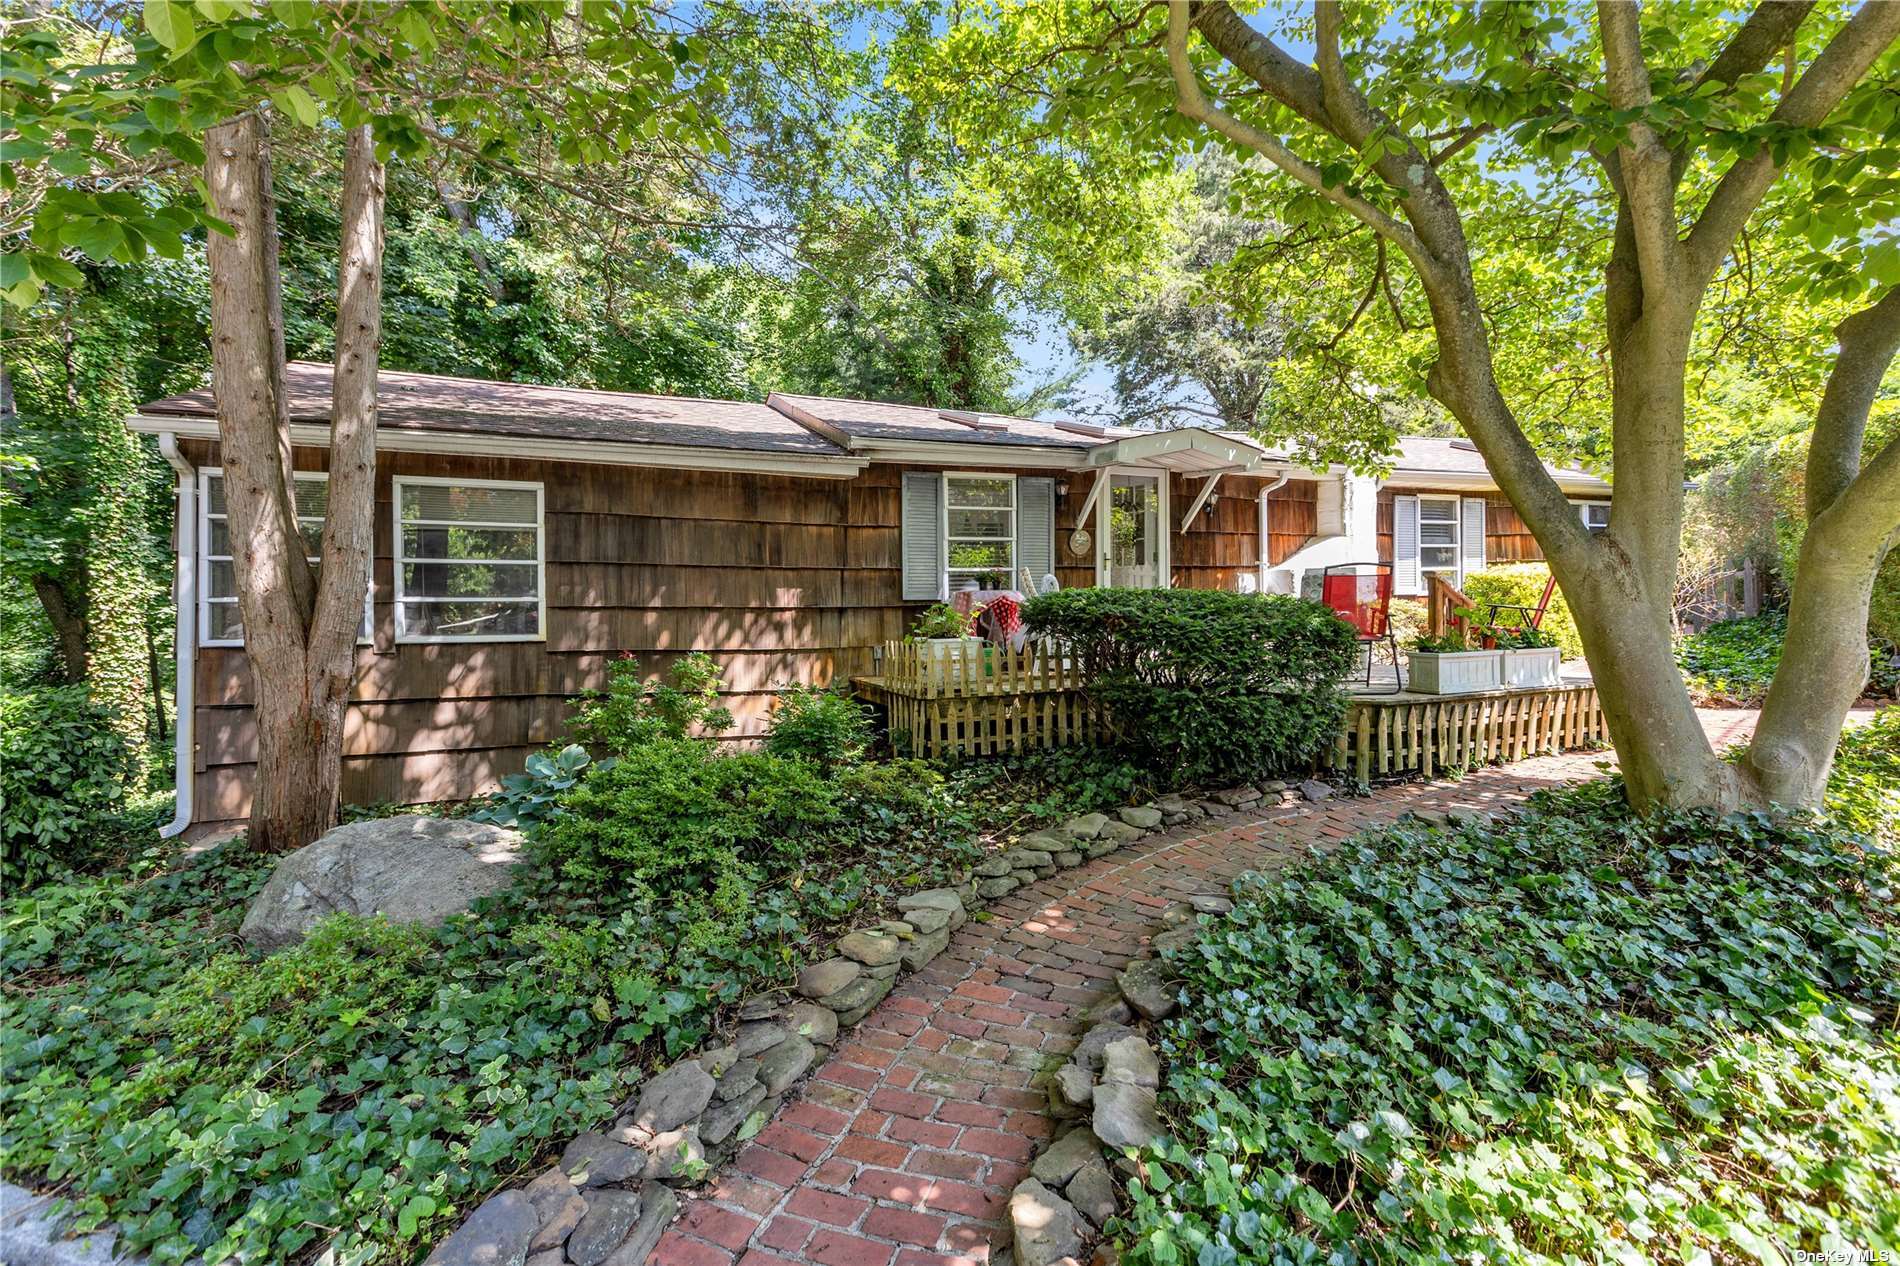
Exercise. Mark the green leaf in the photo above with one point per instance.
(300, 105)
(169, 22)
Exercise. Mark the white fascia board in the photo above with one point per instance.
(1478, 482)
(971, 456)
(592, 452)
(1230, 456)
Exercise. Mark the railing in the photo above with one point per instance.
(1428, 737)
(942, 669)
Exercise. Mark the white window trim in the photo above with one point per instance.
(1457, 545)
(1164, 529)
(951, 574)
(205, 601)
(1583, 511)
(540, 558)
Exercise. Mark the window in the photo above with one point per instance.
(468, 561)
(218, 621)
(1438, 536)
(1596, 515)
(979, 527)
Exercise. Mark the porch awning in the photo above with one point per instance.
(1191, 450)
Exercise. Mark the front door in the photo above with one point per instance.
(1134, 548)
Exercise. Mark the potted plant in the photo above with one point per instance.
(1448, 666)
(1531, 657)
(944, 633)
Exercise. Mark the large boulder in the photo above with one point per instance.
(408, 869)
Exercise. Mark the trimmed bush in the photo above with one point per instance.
(1209, 685)
(1521, 585)
(1579, 1037)
(63, 771)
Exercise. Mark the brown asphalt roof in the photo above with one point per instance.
(432, 402)
(873, 420)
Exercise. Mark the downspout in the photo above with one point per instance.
(1266, 562)
(185, 636)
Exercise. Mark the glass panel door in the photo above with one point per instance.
(1134, 532)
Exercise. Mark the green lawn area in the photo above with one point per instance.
(1580, 1037)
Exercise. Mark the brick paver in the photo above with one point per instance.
(902, 1148)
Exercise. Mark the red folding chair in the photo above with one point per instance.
(1528, 617)
(1361, 595)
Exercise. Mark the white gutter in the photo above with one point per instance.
(595, 452)
(185, 635)
(1402, 478)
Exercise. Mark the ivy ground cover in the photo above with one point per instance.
(1578, 1037)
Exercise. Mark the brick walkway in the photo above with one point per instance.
(902, 1148)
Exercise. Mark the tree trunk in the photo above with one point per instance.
(296, 653)
(69, 627)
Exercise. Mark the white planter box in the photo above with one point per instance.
(1535, 667)
(1454, 672)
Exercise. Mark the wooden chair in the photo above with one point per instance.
(1361, 595)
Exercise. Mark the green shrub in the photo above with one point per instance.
(632, 710)
(826, 727)
(672, 816)
(1863, 788)
(1207, 684)
(63, 774)
(1522, 584)
(1580, 1037)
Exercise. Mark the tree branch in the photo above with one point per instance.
(1868, 341)
(1840, 66)
(1192, 102)
(1644, 165)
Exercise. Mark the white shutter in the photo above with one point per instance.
(1035, 531)
(1471, 538)
(922, 537)
(1405, 545)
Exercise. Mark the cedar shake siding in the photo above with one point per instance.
(781, 579)
(1506, 538)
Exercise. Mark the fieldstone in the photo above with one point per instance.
(1125, 1115)
(1086, 827)
(898, 928)
(991, 867)
(1272, 787)
(674, 1154)
(673, 1098)
(785, 1064)
(762, 1007)
(549, 1191)
(546, 1257)
(1092, 1192)
(658, 1204)
(1070, 1089)
(1066, 860)
(741, 1077)
(1132, 1061)
(1141, 817)
(1094, 1044)
(857, 997)
(1238, 797)
(1047, 1227)
(610, 1215)
(1027, 876)
(883, 971)
(718, 1060)
(1111, 1010)
(997, 886)
(818, 1025)
(758, 1037)
(1174, 938)
(820, 980)
(928, 921)
(873, 949)
(1210, 903)
(1177, 913)
(496, 1234)
(594, 1159)
(1215, 809)
(1146, 986)
(1022, 858)
(407, 869)
(931, 899)
(1112, 837)
(925, 948)
(723, 1118)
(1172, 804)
(556, 1225)
(1065, 1156)
(1315, 790)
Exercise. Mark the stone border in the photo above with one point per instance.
(1107, 1091)
(609, 1198)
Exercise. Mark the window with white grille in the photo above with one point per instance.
(469, 561)
(219, 623)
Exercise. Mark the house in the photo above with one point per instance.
(527, 535)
